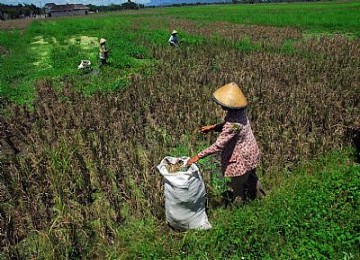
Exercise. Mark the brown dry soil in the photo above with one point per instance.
(15, 24)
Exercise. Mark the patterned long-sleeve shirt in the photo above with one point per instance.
(237, 144)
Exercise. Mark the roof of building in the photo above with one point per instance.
(49, 4)
(68, 7)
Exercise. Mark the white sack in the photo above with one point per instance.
(185, 196)
(84, 64)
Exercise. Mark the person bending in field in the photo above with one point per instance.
(239, 150)
(173, 40)
(103, 52)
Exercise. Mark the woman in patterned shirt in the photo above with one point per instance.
(237, 144)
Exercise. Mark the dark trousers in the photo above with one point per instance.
(246, 187)
(102, 62)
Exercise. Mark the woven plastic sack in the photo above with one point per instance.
(185, 195)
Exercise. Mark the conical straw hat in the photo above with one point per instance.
(230, 96)
(174, 32)
(102, 40)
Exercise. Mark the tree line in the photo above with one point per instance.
(18, 11)
(129, 5)
(30, 10)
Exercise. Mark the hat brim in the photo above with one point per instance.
(223, 105)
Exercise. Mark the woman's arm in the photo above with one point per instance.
(219, 127)
(208, 128)
(224, 137)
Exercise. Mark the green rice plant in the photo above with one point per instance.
(245, 45)
(79, 164)
(304, 217)
(311, 17)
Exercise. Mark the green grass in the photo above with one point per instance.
(313, 17)
(53, 48)
(313, 213)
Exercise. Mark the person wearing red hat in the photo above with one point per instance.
(239, 150)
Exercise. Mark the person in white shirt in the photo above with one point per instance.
(173, 40)
(103, 52)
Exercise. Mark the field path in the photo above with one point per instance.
(15, 24)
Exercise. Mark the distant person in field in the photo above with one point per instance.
(239, 150)
(173, 40)
(103, 52)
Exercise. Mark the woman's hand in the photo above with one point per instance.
(207, 128)
(192, 160)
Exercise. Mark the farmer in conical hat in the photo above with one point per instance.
(103, 52)
(173, 40)
(236, 142)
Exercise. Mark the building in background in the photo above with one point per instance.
(54, 10)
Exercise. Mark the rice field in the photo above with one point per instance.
(79, 150)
